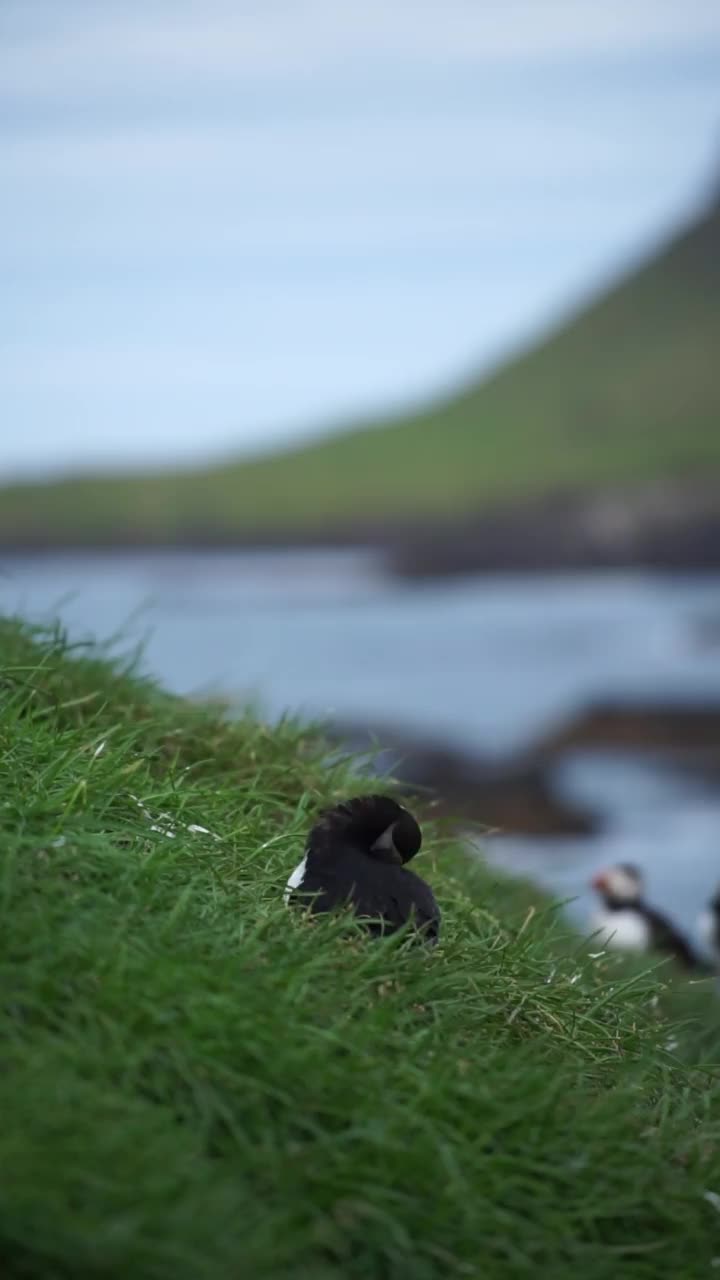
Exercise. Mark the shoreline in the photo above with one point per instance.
(662, 528)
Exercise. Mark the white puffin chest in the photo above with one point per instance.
(295, 880)
(625, 930)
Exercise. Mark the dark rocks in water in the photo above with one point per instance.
(517, 794)
(684, 736)
(627, 725)
(661, 527)
(509, 795)
(706, 632)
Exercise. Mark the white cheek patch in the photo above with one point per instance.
(296, 879)
(621, 930)
(623, 887)
(385, 841)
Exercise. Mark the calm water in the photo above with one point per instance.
(485, 663)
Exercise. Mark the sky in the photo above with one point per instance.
(227, 224)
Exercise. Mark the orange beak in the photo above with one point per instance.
(599, 881)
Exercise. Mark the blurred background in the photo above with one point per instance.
(362, 361)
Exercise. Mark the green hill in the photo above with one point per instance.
(197, 1085)
(626, 392)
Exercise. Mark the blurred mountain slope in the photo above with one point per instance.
(624, 393)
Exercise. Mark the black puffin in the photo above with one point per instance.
(627, 923)
(355, 856)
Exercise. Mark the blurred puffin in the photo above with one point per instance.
(356, 855)
(627, 923)
(709, 928)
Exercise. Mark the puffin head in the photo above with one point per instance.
(620, 886)
(378, 825)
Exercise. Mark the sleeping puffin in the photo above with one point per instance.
(709, 928)
(356, 855)
(627, 923)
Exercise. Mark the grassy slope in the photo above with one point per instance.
(196, 1085)
(625, 392)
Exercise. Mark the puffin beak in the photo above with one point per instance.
(598, 881)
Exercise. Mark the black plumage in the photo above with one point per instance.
(666, 938)
(355, 856)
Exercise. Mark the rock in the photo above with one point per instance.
(681, 729)
(509, 795)
(706, 632)
(669, 527)
(517, 794)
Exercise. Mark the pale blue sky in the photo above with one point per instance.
(223, 225)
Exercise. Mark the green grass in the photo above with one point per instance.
(625, 393)
(197, 1085)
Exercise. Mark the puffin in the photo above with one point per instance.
(709, 928)
(356, 856)
(627, 923)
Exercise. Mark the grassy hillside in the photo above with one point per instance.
(627, 391)
(197, 1085)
